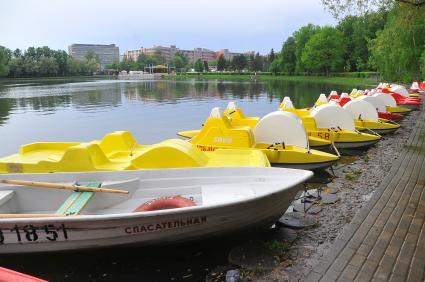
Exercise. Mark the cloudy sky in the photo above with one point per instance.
(238, 25)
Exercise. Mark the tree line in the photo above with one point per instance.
(241, 62)
(389, 40)
(43, 61)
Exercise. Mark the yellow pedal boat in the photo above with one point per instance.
(364, 114)
(280, 136)
(334, 125)
(120, 151)
(238, 118)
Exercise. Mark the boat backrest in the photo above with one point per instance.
(172, 153)
(218, 131)
(237, 117)
(83, 157)
(118, 141)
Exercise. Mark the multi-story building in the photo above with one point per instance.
(107, 54)
(226, 54)
(132, 55)
(167, 53)
(203, 54)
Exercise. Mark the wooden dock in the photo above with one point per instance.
(385, 241)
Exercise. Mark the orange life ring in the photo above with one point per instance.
(164, 203)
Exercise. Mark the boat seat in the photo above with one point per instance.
(5, 196)
(78, 200)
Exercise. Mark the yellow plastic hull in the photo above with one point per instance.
(397, 110)
(377, 126)
(288, 156)
(345, 138)
(120, 151)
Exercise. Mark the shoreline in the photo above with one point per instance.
(337, 80)
(355, 182)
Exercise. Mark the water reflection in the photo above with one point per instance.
(152, 110)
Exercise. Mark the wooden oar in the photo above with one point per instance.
(31, 215)
(61, 186)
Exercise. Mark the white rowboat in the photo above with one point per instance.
(227, 200)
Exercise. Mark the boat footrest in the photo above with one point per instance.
(78, 200)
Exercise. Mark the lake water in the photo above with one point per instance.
(151, 110)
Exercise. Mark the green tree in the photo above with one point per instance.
(212, 63)
(272, 56)
(177, 62)
(302, 36)
(92, 55)
(422, 62)
(17, 53)
(397, 48)
(73, 66)
(258, 63)
(288, 56)
(239, 62)
(324, 52)
(341, 8)
(5, 56)
(358, 31)
(275, 66)
(61, 58)
(90, 66)
(158, 57)
(206, 67)
(47, 66)
(221, 63)
(199, 66)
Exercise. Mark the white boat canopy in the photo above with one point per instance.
(322, 98)
(333, 92)
(288, 105)
(376, 103)
(345, 95)
(332, 116)
(400, 90)
(281, 126)
(231, 106)
(286, 99)
(415, 85)
(216, 112)
(387, 99)
(360, 109)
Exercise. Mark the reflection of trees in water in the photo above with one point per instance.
(97, 98)
(6, 105)
(302, 94)
(171, 91)
(44, 103)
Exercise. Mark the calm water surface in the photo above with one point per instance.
(151, 110)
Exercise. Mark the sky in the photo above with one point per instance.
(238, 25)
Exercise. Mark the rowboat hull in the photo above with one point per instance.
(51, 234)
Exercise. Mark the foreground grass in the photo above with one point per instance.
(244, 77)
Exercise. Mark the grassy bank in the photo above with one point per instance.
(246, 77)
